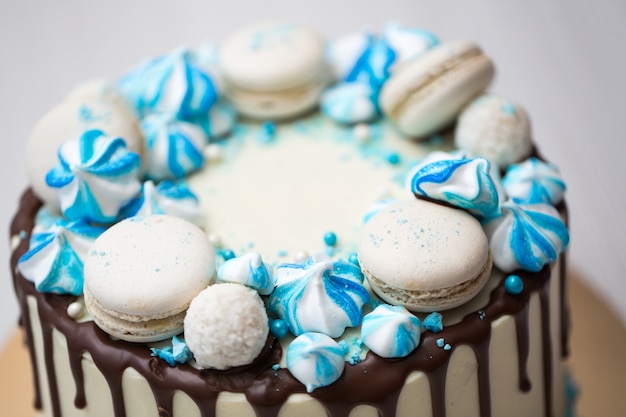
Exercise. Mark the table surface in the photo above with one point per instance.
(598, 344)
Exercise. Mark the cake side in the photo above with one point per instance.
(503, 346)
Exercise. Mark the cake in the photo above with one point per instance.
(281, 225)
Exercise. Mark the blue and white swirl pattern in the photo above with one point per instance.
(54, 260)
(350, 103)
(174, 148)
(408, 43)
(315, 360)
(319, 296)
(219, 121)
(526, 236)
(174, 82)
(391, 331)
(96, 177)
(534, 181)
(249, 270)
(463, 183)
(173, 198)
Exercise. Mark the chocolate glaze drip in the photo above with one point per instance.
(375, 381)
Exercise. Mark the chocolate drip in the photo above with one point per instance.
(375, 381)
(544, 298)
(522, 331)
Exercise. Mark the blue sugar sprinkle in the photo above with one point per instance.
(23, 235)
(393, 158)
(508, 108)
(513, 285)
(268, 132)
(282, 253)
(481, 314)
(279, 328)
(330, 238)
(330, 251)
(447, 347)
(275, 367)
(343, 345)
(440, 342)
(433, 322)
(227, 254)
(353, 258)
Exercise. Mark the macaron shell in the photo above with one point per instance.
(279, 104)
(149, 268)
(141, 331)
(271, 56)
(67, 121)
(423, 246)
(425, 95)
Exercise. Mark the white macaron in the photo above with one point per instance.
(424, 256)
(142, 273)
(426, 94)
(273, 70)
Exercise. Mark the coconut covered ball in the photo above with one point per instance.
(495, 128)
(226, 326)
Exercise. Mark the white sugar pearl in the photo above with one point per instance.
(213, 152)
(301, 256)
(215, 240)
(75, 310)
(362, 132)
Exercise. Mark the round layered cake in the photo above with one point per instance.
(285, 225)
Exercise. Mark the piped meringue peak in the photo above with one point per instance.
(174, 147)
(54, 261)
(319, 296)
(534, 181)
(96, 176)
(175, 82)
(526, 236)
(465, 183)
(249, 270)
(315, 360)
(169, 197)
(391, 331)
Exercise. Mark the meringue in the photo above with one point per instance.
(526, 236)
(324, 296)
(315, 359)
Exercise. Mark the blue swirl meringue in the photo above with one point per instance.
(391, 331)
(174, 147)
(349, 103)
(372, 67)
(219, 121)
(463, 183)
(96, 176)
(54, 260)
(534, 181)
(173, 198)
(319, 296)
(249, 270)
(526, 236)
(315, 360)
(174, 82)
(344, 52)
(408, 43)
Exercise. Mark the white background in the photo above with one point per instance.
(565, 61)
